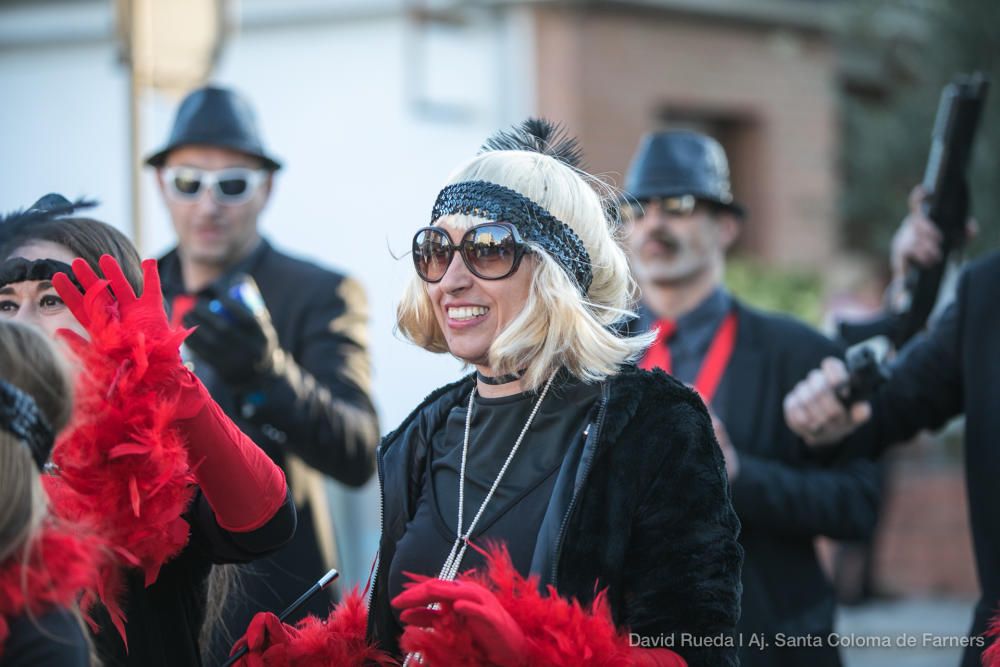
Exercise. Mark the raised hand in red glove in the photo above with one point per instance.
(267, 641)
(112, 300)
(473, 607)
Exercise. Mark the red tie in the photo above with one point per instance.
(658, 354)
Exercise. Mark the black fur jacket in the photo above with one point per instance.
(640, 506)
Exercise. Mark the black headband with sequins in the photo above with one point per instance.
(19, 270)
(497, 203)
(20, 416)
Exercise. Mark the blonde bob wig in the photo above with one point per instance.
(558, 326)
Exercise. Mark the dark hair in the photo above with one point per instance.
(84, 237)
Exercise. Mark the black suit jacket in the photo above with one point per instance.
(952, 369)
(784, 495)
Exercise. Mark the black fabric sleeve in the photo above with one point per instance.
(319, 405)
(925, 390)
(683, 568)
(840, 501)
(794, 491)
(54, 639)
(222, 546)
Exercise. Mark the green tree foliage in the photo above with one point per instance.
(921, 45)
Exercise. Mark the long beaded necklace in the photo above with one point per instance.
(454, 560)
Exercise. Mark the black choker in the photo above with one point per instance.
(499, 379)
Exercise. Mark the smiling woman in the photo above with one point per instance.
(601, 484)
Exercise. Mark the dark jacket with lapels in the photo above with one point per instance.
(640, 506)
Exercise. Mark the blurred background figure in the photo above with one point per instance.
(742, 361)
(824, 108)
(951, 370)
(281, 343)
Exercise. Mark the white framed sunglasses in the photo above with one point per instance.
(233, 185)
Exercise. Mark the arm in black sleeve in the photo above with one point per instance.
(317, 404)
(684, 561)
(223, 546)
(925, 390)
(840, 501)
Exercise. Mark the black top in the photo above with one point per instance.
(54, 639)
(639, 506)
(163, 621)
(515, 512)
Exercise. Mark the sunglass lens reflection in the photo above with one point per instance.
(490, 250)
(187, 184)
(431, 254)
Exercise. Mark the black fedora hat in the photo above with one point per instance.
(677, 163)
(215, 116)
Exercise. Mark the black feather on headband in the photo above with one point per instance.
(538, 135)
(49, 207)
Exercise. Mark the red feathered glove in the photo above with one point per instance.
(267, 640)
(474, 609)
(97, 309)
(337, 641)
(499, 617)
(242, 485)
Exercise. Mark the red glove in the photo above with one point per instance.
(475, 608)
(268, 641)
(244, 487)
(97, 308)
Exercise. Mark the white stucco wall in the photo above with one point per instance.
(336, 86)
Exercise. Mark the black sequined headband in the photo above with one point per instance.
(19, 415)
(501, 204)
(19, 270)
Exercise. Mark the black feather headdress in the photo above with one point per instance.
(49, 207)
(538, 135)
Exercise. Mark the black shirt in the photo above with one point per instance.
(515, 512)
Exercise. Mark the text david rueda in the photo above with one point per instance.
(761, 642)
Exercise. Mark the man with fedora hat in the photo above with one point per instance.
(281, 343)
(682, 219)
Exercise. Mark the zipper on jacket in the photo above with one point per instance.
(599, 422)
(381, 523)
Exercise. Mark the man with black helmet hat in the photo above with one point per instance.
(281, 343)
(683, 219)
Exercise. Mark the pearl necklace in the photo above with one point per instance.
(451, 564)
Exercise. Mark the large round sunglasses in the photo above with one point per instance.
(492, 251)
(234, 185)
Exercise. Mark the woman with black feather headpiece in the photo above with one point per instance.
(557, 506)
(149, 467)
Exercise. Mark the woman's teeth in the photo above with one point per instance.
(467, 312)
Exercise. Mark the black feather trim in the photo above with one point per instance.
(538, 135)
(46, 208)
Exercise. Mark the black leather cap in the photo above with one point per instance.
(677, 163)
(215, 117)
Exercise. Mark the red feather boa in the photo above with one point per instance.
(559, 632)
(123, 466)
(58, 567)
(338, 641)
(991, 656)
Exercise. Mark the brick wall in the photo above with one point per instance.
(769, 92)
